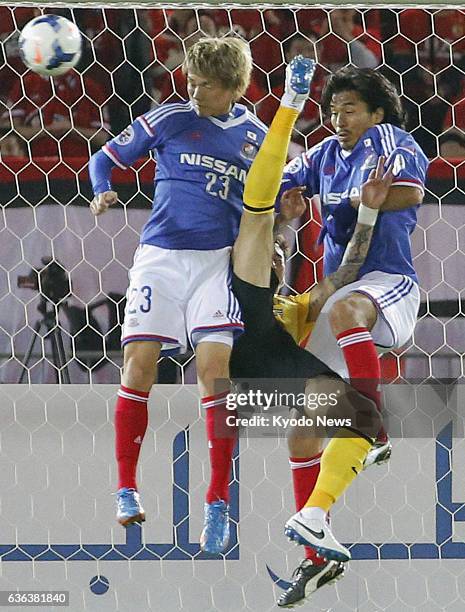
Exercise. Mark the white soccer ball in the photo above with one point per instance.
(50, 45)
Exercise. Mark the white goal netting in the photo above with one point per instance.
(131, 62)
(63, 275)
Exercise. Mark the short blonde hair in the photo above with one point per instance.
(226, 60)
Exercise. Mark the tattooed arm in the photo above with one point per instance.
(373, 193)
(354, 258)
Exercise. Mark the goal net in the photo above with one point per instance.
(63, 275)
(131, 62)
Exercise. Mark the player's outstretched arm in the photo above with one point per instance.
(100, 167)
(373, 193)
(254, 246)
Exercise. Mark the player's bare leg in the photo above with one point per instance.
(212, 360)
(253, 249)
(131, 418)
(140, 365)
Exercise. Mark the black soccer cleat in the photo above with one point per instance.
(307, 579)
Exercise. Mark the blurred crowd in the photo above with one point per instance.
(131, 61)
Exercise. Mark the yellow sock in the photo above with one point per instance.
(341, 461)
(264, 177)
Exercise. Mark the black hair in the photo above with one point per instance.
(372, 87)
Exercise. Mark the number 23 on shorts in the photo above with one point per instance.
(139, 299)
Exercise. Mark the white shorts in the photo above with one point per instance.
(397, 300)
(176, 297)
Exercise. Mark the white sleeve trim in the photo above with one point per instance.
(113, 158)
(144, 124)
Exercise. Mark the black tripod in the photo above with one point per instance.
(50, 322)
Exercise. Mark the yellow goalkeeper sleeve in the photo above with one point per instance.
(292, 313)
(341, 461)
(264, 177)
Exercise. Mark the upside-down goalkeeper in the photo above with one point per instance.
(266, 349)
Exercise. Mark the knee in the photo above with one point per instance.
(213, 368)
(346, 313)
(138, 372)
(302, 444)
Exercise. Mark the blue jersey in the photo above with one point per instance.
(201, 167)
(326, 170)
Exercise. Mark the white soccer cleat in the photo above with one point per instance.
(304, 529)
(299, 74)
(378, 454)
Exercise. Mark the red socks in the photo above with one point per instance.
(304, 476)
(363, 364)
(362, 361)
(131, 420)
(221, 442)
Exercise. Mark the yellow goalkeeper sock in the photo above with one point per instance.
(341, 461)
(264, 177)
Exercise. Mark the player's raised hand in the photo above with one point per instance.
(293, 204)
(374, 191)
(102, 202)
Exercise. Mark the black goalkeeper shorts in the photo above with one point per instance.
(266, 349)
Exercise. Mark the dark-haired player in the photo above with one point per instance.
(266, 350)
(378, 311)
(381, 307)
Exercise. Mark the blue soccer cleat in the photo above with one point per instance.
(129, 509)
(299, 74)
(215, 535)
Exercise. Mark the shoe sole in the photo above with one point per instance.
(213, 554)
(304, 600)
(381, 459)
(216, 552)
(327, 553)
(137, 518)
(384, 457)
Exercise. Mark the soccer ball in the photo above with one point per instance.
(50, 45)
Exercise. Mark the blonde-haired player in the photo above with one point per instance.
(180, 291)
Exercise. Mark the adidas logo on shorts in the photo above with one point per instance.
(218, 315)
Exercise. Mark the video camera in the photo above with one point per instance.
(52, 281)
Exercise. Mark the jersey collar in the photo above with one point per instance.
(236, 116)
(346, 156)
